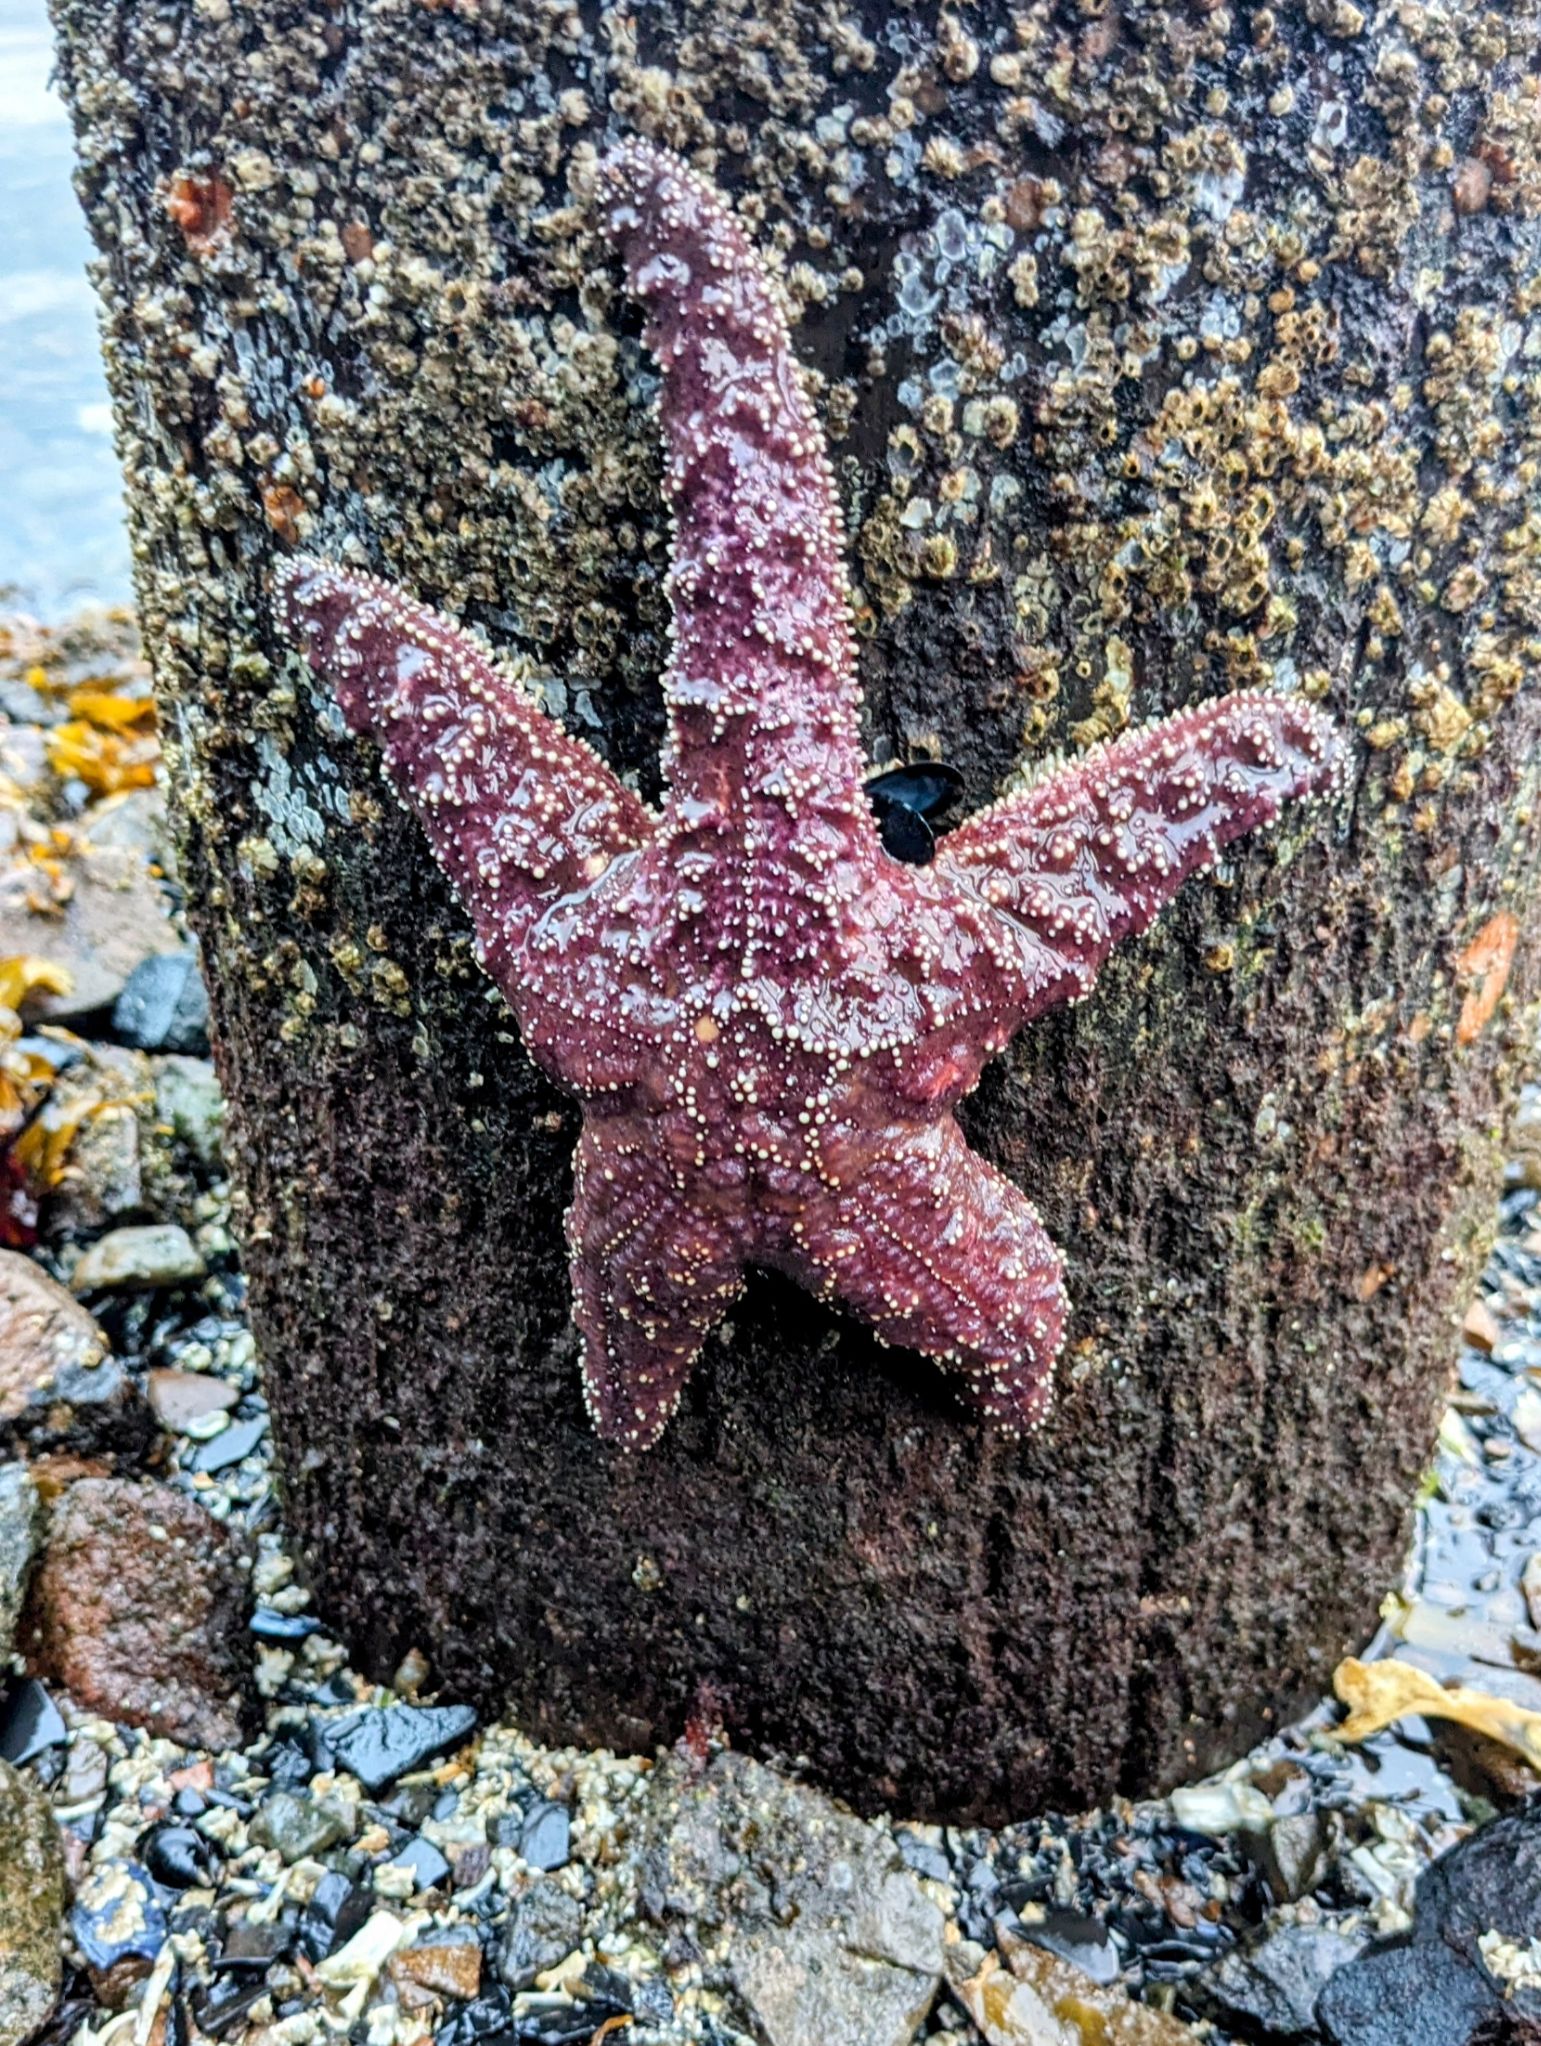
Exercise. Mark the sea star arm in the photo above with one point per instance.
(519, 813)
(761, 688)
(1096, 850)
(653, 1272)
(942, 1254)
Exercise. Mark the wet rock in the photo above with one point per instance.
(1490, 1882)
(102, 1179)
(60, 1390)
(178, 1857)
(30, 1723)
(178, 1398)
(1043, 2001)
(114, 918)
(545, 1837)
(383, 1743)
(298, 1824)
(544, 1926)
(164, 1006)
(31, 1907)
(189, 1103)
(1082, 1941)
(269, 1625)
(96, 1119)
(419, 1864)
(229, 1446)
(1293, 1853)
(829, 1939)
(336, 1911)
(1275, 1982)
(148, 1254)
(1415, 1995)
(1435, 1984)
(43, 1331)
(138, 1607)
(21, 1518)
(98, 1414)
(118, 1927)
(449, 1963)
(1482, 1328)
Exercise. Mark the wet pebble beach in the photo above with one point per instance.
(211, 1827)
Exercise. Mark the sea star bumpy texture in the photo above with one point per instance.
(768, 1019)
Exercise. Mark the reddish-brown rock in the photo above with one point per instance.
(138, 1609)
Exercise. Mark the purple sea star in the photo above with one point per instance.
(768, 1019)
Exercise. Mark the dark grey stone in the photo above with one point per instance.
(545, 1838)
(430, 1870)
(163, 1006)
(1416, 1995)
(1275, 1982)
(544, 1925)
(381, 1744)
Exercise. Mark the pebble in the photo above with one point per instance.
(230, 1446)
(382, 1743)
(177, 1857)
(450, 1964)
(31, 1906)
(1294, 1853)
(117, 1925)
(544, 1925)
(43, 1331)
(180, 1397)
(1273, 1983)
(1082, 1941)
(298, 1825)
(138, 1608)
(545, 1838)
(188, 1100)
(1530, 1589)
(422, 1865)
(146, 1254)
(30, 1723)
(164, 1006)
(21, 1518)
(336, 1910)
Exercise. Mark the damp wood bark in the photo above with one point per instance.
(1161, 350)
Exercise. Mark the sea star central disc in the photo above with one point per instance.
(769, 1020)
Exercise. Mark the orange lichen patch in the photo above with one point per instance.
(203, 209)
(1487, 960)
(105, 761)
